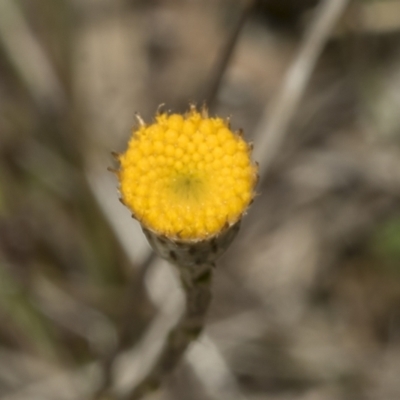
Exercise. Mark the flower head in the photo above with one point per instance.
(187, 177)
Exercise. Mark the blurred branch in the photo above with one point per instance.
(29, 58)
(273, 127)
(226, 56)
(130, 368)
(135, 288)
(73, 315)
(212, 370)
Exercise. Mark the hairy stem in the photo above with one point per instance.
(196, 282)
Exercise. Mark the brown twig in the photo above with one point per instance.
(226, 56)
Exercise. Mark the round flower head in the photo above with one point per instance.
(187, 177)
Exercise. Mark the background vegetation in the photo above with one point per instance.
(307, 300)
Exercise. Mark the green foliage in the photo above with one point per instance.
(385, 242)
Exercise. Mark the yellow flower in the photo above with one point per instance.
(187, 177)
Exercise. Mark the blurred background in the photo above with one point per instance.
(306, 301)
